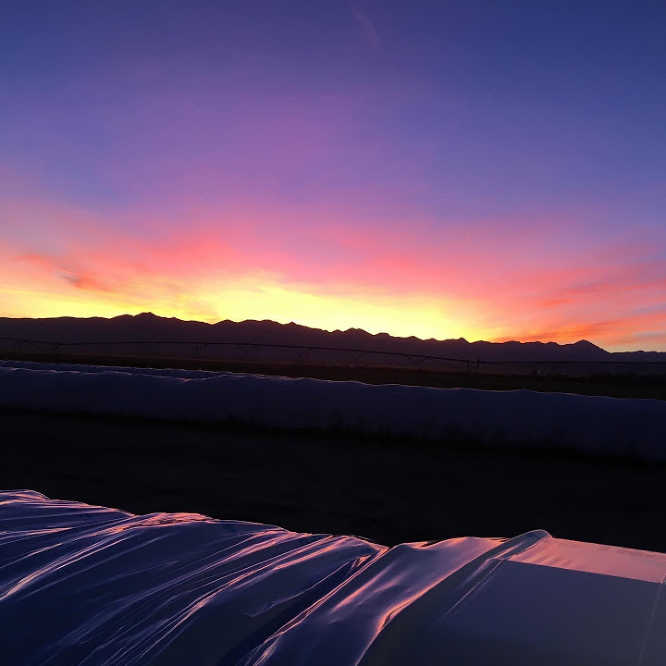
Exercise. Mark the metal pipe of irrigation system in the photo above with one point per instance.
(352, 350)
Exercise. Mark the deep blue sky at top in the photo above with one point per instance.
(545, 102)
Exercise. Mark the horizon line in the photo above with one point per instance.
(337, 330)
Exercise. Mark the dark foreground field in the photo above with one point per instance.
(628, 381)
(387, 491)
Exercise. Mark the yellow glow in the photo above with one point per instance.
(251, 299)
(374, 313)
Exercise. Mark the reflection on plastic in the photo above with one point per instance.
(90, 585)
(594, 424)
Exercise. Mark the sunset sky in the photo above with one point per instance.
(491, 170)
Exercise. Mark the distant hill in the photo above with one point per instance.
(150, 327)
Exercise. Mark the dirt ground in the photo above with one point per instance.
(387, 491)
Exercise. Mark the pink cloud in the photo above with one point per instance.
(504, 283)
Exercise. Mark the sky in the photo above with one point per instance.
(487, 170)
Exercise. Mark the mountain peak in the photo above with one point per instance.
(585, 344)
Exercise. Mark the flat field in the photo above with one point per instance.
(386, 490)
(620, 381)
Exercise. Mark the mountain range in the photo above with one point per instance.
(150, 327)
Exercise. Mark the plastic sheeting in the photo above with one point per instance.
(91, 585)
(597, 425)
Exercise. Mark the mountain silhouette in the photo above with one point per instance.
(150, 327)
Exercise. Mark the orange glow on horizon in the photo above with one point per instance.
(334, 276)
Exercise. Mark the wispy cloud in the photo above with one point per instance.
(367, 26)
(63, 269)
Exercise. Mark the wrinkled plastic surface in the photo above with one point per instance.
(593, 424)
(91, 585)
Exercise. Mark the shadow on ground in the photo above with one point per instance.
(387, 491)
